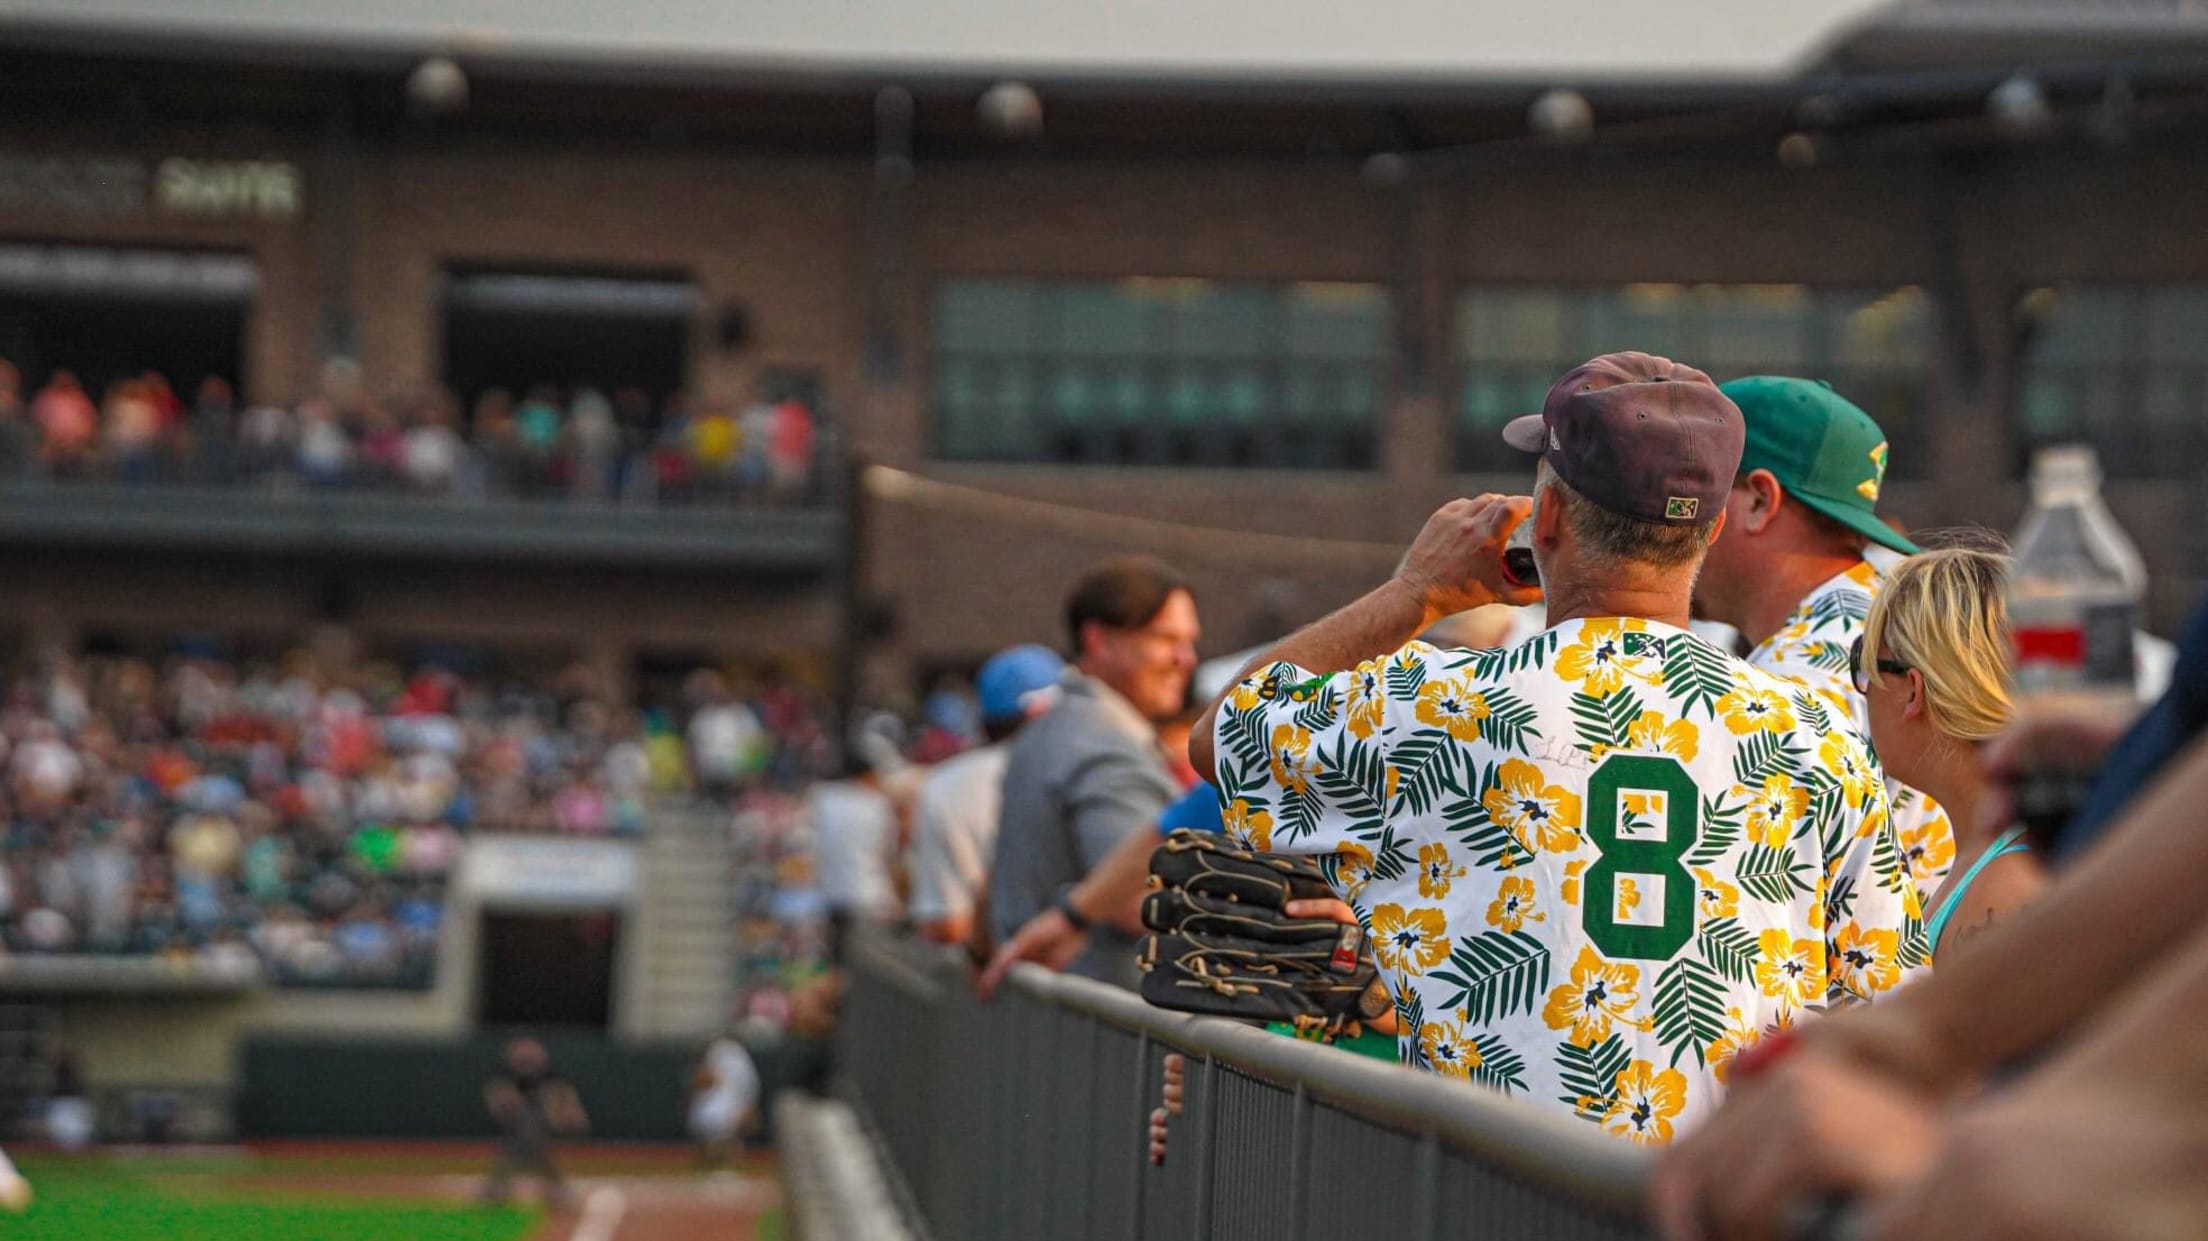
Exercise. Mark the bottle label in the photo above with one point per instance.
(2108, 658)
(2050, 644)
(2095, 651)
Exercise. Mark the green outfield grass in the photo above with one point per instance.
(170, 1200)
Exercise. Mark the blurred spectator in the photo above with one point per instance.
(18, 434)
(1084, 777)
(70, 1121)
(955, 820)
(133, 428)
(726, 740)
(592, 439)
(325, 454)
(724, 1100)
(854, 826)
(431, 457)
(211, 436)
(68, 423)
(790, 451)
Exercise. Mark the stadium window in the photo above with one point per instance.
(519, 330)
(1874, 345)
(1168, 372)
(2121, 366)
(108, 314)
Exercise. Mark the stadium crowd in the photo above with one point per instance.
(581, 444)
(217, 809)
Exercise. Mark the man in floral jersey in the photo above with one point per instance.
(1597, 864)
(1791, 573)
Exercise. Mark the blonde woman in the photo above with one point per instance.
(1933, 662)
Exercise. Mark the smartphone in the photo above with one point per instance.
(1518, 563)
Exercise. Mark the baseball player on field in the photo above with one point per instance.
(1596, 865)
(1793, 572)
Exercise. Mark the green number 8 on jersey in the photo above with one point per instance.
(1643, 814)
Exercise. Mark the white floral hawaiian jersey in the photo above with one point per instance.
(1812, 647)
(1594, 866)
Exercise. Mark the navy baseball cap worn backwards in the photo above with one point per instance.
(1639, 435)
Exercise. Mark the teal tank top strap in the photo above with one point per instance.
(2011, 841)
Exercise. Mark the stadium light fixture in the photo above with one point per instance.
(1561, 115)
(437, 87)
(2019, 106)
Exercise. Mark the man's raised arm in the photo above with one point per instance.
(1453, 566)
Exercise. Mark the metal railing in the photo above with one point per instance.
(1027, 1118)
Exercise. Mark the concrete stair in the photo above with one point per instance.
(679, 956)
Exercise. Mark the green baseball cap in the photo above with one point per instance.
(1821, 447)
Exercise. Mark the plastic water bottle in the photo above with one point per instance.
(2074, 592)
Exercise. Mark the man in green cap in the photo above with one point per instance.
(1791, 572)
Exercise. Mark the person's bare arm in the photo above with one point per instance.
(2016, 988)
(2034, 975)
(1111, 893)
(1453, 566)
(2106, 1137)
(2000, 892)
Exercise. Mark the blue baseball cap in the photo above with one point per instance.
(1010, 675)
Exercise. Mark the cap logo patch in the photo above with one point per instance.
(1868, 488)
(1681, 508)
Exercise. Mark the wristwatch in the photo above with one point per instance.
(1064, 905)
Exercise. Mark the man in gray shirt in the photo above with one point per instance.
(1081, 778)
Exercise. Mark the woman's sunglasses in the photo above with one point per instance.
(1861, 675)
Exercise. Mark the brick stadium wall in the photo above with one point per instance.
(786, 237)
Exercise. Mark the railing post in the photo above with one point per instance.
(1426, 1188)
(1207, 1126)
(1135, 1201)
(1299, 1166)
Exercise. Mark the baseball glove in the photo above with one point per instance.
(1224, 945)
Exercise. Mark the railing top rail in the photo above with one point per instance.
(1536, 1145)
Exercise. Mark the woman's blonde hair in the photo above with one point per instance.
(1945, 613)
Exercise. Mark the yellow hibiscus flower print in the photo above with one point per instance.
(1448, 1049)
(1645, 1103)
(1775, 810)
(1717, 898)
(1353, 868)
(1790, 970)
(1653, 735)
(1865, 962)
(1569, 889)
(1512, 907)
(1291, 755)
(1629, 898)
(1246, 823)
(1601, 994)
(1368, 699)
(1929, 850)
(1865, 574)
(1453, 707)
(1598, 661)
(1542, 816)
(1409, 941)
(1748, 709)
(1436, 871)
(1847, 762)
(1739, 1036)
(1246, 695)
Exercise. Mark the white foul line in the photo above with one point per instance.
(602, 1212)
